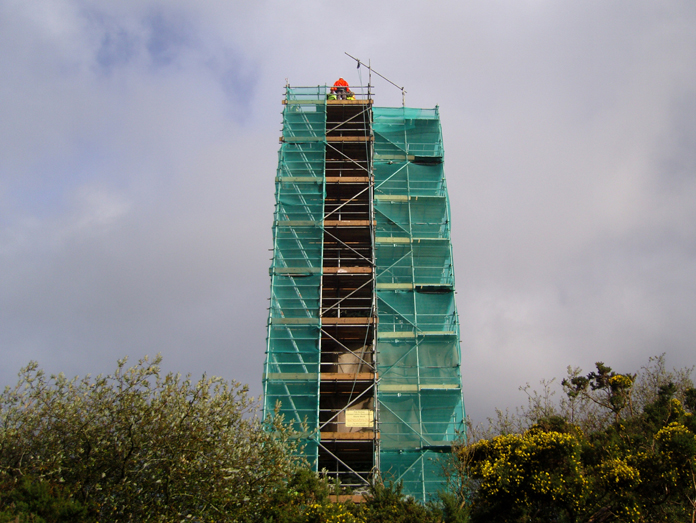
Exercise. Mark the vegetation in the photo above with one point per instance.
(138, 445)
(618, 447)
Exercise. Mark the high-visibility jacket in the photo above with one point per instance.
(340, 83)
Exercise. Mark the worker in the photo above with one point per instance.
(340, 89)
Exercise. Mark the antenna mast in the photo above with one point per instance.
(369, 68)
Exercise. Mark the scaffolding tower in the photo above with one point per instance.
(363, 350)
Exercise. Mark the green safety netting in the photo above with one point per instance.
(399, 178)
(420, 471)
(411, 364)
(419, 398)
(291, 377)
(306, 94)
(424, 262)
(304, 116)
(295, 297)
(402, 132)
(421, 411)
(301, 160)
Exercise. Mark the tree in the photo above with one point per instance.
(609, 390)
(139, 445)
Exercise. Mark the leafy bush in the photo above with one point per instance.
(138, 445)
(38, 501)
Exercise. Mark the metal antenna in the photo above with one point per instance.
(403, 89)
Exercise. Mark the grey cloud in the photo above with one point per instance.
(166, 37)
(138, 150)
(116, 48)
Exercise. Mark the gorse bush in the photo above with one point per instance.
(635, 460)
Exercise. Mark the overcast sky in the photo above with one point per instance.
(138, 149)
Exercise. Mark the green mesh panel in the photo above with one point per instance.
(421, 411)
(304, 116)
(432, 263)
(301, 160)
(291, 378)
(292, 375)
(401, 131)
(413, 364)
(306, 94)
(394, 264)
(296, 247)
(407, 178)
(295, 297)
(420, 471)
